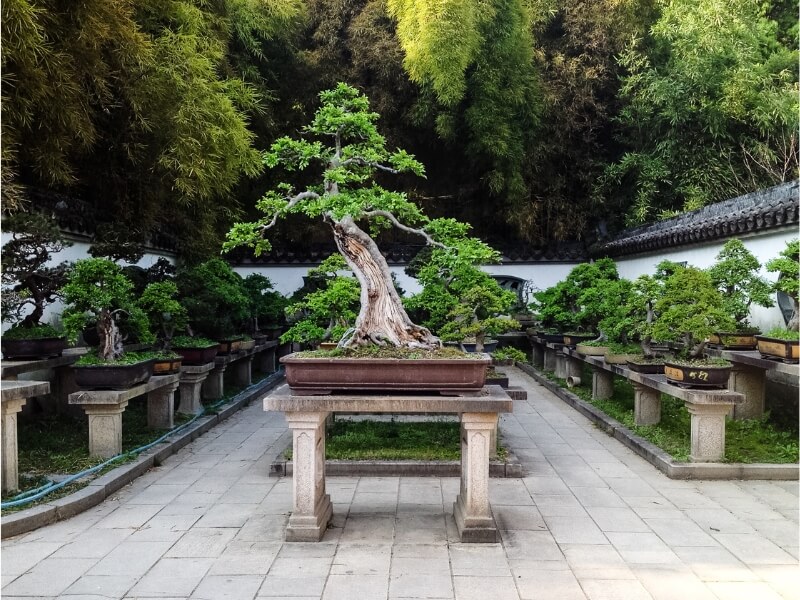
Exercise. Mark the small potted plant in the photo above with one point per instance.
(97, 290)
(195, 350)
(507, 356)
(784, 342)
(689, 310)
(165, 315)
(639, 308)
(322, 317)
(29, 285)
(215, 301)
(735, 274)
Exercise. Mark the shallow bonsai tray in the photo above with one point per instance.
(696, 376)
(646, 368)
(778, 349)
(197, 356)
(33, 349)
(113, 377)
(318, 376)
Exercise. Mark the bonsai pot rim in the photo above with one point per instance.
(198, 355)
(112, 376)
(167, 366)
(647, 368)
(742, 340)
(699, 376)
(591, 350)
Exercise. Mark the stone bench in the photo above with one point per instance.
(707, 408)
(306, 416)
(14, 395)
(56, 370)
(104, 409)
(241, 363)
(749, 377)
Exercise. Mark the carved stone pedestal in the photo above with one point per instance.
(646, 404)
(602, 384)
(191, 383)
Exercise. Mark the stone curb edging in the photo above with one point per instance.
(104, 486)
(655, 455)
(402, 468)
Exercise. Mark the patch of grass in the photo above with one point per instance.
(746, 441)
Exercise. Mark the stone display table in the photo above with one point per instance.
(241, 363)
(749, 377)
(306, 415)
(191, 383)
(708, 408)
(12, 368)
(14, 394)
(104, 409)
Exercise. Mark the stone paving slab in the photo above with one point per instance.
(589, 520)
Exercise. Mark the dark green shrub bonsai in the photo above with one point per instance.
(29, 284)
(735, 273)
(164, 313)
(98, 291)
(266, 305)
(787, 265)
(344, 151)
(689, 309)
(327, 313)
(213, 294)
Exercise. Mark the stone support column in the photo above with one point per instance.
(646, 404)
(471, 509)
(105, 428)
(549, 359)
(160, 407)
(214, 385)
(10, 458)
(751, 382)
(312, 509)
(192, 378)
(602, 384)
(708, 431)
(561, 364)
(265, 360)
(537, 355)
(574, 366)
(242, 371)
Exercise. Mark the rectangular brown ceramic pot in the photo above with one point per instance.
(777, 348)
(316, 376)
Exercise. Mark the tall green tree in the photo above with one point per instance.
(710, 107)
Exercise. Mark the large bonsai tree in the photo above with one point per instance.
(30, 283)
(343, 144)
(735, 273)
(787, 265)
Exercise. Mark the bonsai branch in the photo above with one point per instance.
(293, 201)
(357, 160)
(386, 214)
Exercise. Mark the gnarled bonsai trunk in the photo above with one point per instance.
(382, 319)
(110, 338)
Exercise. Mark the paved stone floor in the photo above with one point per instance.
(590, 520)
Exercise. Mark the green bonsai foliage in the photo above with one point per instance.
(214, 297)
(185, 341)
(787, 265)
(28, 281)
(98, 291)
(266, 305)
(328, 312)
(164, 312)
(639, 310)
(578, 302)
(343, 147)
(736, 276)
(509, 353)
(690, 309)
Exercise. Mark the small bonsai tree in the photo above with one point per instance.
(328, 312)
(735, 274)
(164, 313)
(787, 265)
(639, 310)
(689, 309)
(611, 298)
(214, 297)
(266, 305)
(344, 144)
(98, 291)
(29, 283)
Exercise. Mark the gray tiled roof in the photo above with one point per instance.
(755, 212)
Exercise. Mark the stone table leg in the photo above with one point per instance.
(160, 407)
(471, 509)
(574, 366)
(214, 385)
(561, 365)
(312, 509)
(190, 386)
(602, 384)
(708, 431)
(549, 359)
(646, 404)
(537, 355)
(752, 383)
(10, 458)
(242, 371)
(105, 428)
(265, 361)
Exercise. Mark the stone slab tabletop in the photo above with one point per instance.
(659, 382)
(266, 345)
(117, 396)
(226, 359)
(753, 358)
(20, 390)
(197, 369)
(493, 399)
(11, 368)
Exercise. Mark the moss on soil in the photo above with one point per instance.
(387, 352)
